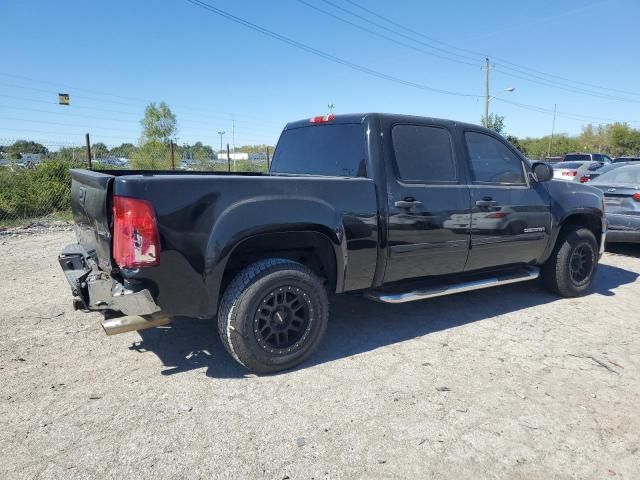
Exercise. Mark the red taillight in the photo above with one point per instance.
(135, 234)
(322, 118)
(636, 196)
(584, 179)
(497, 215)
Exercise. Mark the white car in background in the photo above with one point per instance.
(568, 171)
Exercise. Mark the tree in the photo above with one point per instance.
(152, 155)
(76, 155)
(159, 123)
(621, 139)
(125, 150)
(496, 122)
(515, 141)
(255, 148)
(16, 150)
(99, 150)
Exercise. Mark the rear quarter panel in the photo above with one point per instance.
(202, 219)
(571, 198)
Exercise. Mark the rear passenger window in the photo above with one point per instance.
(423, 154)
(492, 162)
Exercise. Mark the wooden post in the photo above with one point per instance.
(268, 164)
(171, 154)
(88, 151)
(228, 159)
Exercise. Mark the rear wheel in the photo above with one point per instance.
(273, 315)
(571, 268)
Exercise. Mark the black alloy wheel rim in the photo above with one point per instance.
(582, 261)
(283, 320)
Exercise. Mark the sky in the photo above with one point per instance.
(215, 73)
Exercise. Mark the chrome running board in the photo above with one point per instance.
(531, 273)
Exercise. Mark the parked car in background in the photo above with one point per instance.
(626, 159)
(621, 188)
(554, 159)
(568, 171)
(587, 157)
(590, 175)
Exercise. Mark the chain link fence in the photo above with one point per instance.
(35, 180)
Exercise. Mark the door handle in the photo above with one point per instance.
(486, 203)
(407, 203)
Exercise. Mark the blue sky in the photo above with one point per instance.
(113, 57)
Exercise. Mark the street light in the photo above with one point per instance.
(221, 134)
(506, 90)
(488, 99)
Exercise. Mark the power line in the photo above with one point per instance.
(67, 111)
(322, 54)
(381, 35)
(483, 54)
(135, 99)
(567, 115)
(547, 82)
(569, 89)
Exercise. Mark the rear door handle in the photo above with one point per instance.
(486, 203)
(407, 203)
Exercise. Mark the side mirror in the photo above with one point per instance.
(542, 171)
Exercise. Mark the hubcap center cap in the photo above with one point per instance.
(280, 316)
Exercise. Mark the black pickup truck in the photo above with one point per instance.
(397, 208)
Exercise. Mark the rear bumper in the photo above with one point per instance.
(623, 228)
(623, 236)
(95, 290)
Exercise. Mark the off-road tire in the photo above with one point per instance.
(241, 303)
(557, 272)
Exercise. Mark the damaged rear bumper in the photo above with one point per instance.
(95, 290)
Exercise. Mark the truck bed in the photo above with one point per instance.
(201, 214)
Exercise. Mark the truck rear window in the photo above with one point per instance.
(332, 150)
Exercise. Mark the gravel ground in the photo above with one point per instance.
(503, 383)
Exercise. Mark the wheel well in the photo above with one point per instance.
(591, 222)
(312, 249)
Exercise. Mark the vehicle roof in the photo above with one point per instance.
(361, 117)
(571, 162)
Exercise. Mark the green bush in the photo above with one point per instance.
(37, 192)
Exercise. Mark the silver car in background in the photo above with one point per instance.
(621, 188)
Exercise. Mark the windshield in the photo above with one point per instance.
(629, 174)
(575, 157)
(332, 150)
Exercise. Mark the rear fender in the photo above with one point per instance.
(263, 215)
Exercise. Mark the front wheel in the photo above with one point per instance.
(273, 315)
(570, 270)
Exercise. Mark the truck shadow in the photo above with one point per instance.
(358, 325)
(626, 249)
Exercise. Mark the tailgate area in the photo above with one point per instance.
(91, 206)
(95, 290)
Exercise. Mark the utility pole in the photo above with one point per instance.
(553, 127)
(233, 139)
(172, 155)
(486, 93)
(221, 134)
(228, 159)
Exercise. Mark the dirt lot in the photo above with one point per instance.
(504, 383)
